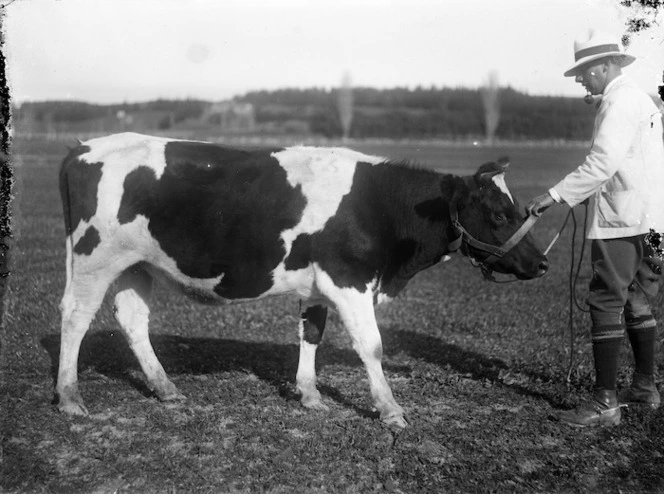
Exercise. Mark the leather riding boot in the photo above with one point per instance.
(602, 410)
(643, 391)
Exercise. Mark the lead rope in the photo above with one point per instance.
(573, 280)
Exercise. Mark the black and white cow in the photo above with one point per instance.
(334, 226)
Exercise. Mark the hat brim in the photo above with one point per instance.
(625, 60)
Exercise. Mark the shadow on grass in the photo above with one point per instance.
(108, 353)
(436, 351)
(458, 359)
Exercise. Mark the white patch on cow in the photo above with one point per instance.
(130, 243)
(382, 298)
(379, 297)
(299, 281)
(324, 176)
(499, 180)
(122, 153)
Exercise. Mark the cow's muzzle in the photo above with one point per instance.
(466, 241)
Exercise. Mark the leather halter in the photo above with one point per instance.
(495, 252)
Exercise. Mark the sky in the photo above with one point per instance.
(114, 51)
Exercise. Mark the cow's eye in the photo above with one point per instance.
(499, 217)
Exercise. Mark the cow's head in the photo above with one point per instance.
(490, 215)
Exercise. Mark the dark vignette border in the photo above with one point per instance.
(6, 172)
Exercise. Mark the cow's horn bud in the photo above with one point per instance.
(504, 162)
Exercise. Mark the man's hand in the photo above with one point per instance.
(539, 204)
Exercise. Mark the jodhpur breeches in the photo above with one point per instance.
(625, 275)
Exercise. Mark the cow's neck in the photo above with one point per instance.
(418, 215)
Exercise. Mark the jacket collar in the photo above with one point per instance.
(618, 81)
(621, 80)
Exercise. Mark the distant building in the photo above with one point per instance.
(231, 116)
(142, 119)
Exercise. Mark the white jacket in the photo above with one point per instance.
(625, 167)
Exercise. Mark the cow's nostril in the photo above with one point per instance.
(544, 266)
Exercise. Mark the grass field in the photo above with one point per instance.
(478, 367)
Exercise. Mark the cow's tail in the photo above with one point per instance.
(65, 197)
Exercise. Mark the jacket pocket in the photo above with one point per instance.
(617, 209)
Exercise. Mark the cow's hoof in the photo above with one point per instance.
(395, 421)
(314, 404)
(167, 391)
(177, 396)
(69, 401)
(73, 408)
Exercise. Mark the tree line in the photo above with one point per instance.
(453, 113)
(414, 113)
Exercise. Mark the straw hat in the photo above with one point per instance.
(596, 45)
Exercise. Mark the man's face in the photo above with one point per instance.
(592, 77)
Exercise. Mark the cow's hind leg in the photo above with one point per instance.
(311, 326)
(132, 312)
(82, 298)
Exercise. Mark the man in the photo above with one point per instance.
(624, 172)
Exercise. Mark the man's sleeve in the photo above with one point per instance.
(556, 197)
(615, 133)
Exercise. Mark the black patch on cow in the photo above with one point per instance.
(300, 254)
(87, 243)
(79, 182)
(139, 194)
(313, 322)
(433, 209)
(404, 250)
(385, 228)
(217, 211)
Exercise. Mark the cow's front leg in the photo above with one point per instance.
(357, 313)
(311, 326)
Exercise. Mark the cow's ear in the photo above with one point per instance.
(454, 189)
(489, 170)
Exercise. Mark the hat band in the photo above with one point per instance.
(595, 50)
